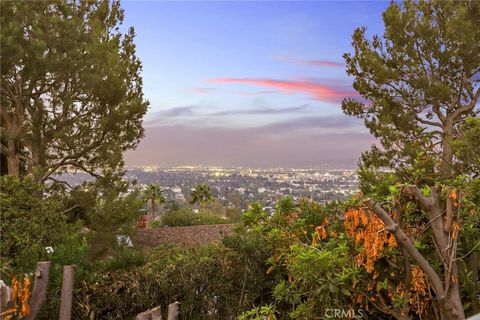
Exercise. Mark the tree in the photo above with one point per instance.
(419, 83)
(71, 90)
(108, 207)
(201, 194)
(153, 195)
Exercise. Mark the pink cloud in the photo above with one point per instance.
(318, 63)
(247, 93)
(318, 91)
(202, 90)
(323, 63)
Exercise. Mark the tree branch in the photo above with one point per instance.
(428, 122)
(60, 181)
(425, 202)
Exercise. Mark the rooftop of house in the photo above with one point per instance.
(190, 235)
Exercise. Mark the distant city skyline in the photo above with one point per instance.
(254, 84)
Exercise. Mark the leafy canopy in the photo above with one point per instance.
(71, 90)
(418, 83)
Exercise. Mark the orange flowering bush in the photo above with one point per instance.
(372, 241)
(20, 297)
(368, 233)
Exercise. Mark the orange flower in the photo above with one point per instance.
(25, 296)
(22, 293)
(368, 231)
(455, 230)
(418, 280)
(392, 242)
(453, 194)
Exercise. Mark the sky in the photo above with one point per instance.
(249, 83)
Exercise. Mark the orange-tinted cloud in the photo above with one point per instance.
(319, 91)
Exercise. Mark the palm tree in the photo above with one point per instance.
(153, 195)
(201, 194)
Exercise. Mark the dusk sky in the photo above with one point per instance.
(248, 83)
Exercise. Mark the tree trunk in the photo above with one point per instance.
(448, 296)
(13, 161)
(39, 293)
(37, 147)
(446, 248)
(447, 150)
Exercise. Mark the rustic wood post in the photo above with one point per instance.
(39, 293)
(152, 314)
(173, 310)
(156, 313)
(5, 296)
(67, 292)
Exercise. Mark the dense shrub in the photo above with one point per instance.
(29, 223)
(125, 259)
(73, 251)
(211, 282)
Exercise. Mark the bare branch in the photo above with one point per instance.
(428, 122)
(60, 181)
(70, 209)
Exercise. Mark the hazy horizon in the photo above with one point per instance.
(254, 84)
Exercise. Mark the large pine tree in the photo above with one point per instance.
(71, 90)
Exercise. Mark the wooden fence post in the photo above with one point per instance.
(67, 292)
(39, 293)
(173, 310)
(152, 314)
(5, 296)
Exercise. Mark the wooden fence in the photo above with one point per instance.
(9, 303)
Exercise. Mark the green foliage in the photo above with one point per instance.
(124, 259)
(304, 276)
(254, 214)
(467, 147)
(377, 184)
(321, 277)
(205, 279)
(201, 194)
(108, 207)
(28, 224)
(284, 206)
(266, 312)
(74, 250)
(153, 195)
